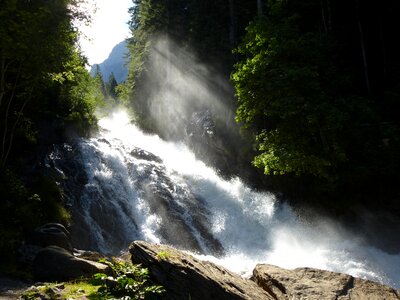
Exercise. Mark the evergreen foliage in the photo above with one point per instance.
(313, 98)
(316, 85)
(45, 94)
(207, 28)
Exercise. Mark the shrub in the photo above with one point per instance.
(128, 281)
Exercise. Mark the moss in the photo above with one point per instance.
(163, 255)
(52, 200)
(23, 208)
(76, 290)
(62, 291)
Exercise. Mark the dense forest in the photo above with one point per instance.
(46, 97)
(316, 88)
(316, 94)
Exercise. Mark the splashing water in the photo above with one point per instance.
(205, 211)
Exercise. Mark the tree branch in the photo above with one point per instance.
(6, 117)
(3, 71)
(14, 128)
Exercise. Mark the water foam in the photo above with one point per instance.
(250, 225)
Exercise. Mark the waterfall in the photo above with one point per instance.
(124, 185)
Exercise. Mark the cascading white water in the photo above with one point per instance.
(250, 226)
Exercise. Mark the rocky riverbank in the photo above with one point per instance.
(186, 277)
(12, 288)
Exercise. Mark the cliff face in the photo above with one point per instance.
(186, 277)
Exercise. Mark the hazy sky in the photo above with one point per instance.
(109, 27)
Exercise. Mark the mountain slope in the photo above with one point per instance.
(116, 63)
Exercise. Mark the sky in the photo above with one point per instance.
(108, 28)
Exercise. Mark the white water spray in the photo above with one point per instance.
(251, 227)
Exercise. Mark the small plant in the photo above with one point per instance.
(127, 282)
(163, 255)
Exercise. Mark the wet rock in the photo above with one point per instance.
(145, 155)
(201, 124)
(57, 264)
(310, 284)
(51, 234)
(186, 277)
(202, 138)
(89, 255)
(183, 217)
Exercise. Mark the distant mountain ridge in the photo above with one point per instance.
(115, 63)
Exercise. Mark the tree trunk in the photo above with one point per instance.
(383, 48)
(232, 33)
(3, 70)
(363, 50)
(259, 8)
(326, 15)
(12, 133)
(328, 7)
(3, 153)
(323, 17)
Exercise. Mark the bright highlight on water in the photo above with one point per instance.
(141, 187)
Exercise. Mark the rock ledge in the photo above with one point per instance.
(186, 277)
(309, 283)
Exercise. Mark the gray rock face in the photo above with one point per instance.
(186, 277)
(310, 284)
(57, 264)
(50, 234)
(171, 203)
(203, 138)
(145, 155)
(201, 124)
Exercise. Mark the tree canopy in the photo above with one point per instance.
(316, 82)
(46, 93)
(313, 81)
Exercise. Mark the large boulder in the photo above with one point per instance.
(50, 234)
(145, 155)
(310, 284)
(208, 144)
(186, 277)
(57, 264)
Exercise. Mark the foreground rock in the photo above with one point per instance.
(308, 283)
(12, 288)
(186, 277)
(57, 264)
(50, 234)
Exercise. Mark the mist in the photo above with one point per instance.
(158, 191)
(253, 227)
(177, 85)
